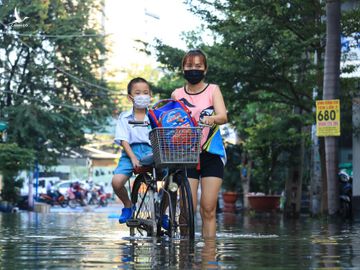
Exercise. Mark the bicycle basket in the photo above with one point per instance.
(176, 146)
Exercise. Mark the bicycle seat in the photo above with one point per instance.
(143, 169)
(146, 164)
(147, 160)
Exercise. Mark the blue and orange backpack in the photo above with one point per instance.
(171, 113)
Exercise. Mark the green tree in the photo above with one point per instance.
(262, 52)
(13, 159)
(231, 178)
(271, 137)
(267, 51)
(51, 88)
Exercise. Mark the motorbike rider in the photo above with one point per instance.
(78, 191)
(50, 190)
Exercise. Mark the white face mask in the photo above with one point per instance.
(141, 101)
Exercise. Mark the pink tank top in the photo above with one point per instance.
(200, 104)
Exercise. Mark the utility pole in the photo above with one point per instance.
(315, 187)
(331, 91)
(36, 176)
(356, 152)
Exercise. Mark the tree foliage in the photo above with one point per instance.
(13, 159)
(51, 88)
(232, 180)
(267, 57)
(271, 141)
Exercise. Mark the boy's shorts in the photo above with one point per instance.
(125, 166)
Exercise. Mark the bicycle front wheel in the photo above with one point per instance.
(178, 206)
(142, 198)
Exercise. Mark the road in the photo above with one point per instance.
(113, 209)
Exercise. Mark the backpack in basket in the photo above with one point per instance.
(171, 113)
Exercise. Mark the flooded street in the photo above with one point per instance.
(73, 240)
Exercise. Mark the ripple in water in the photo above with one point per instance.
(246, 236)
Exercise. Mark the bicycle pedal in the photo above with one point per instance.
(133, 223)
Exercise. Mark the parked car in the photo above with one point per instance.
(63, 186)
(42, 183)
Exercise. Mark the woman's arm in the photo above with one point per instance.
(220, 116)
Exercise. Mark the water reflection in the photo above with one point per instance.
(91, 240)
(336, 246)
(208, 255)
(157, 253)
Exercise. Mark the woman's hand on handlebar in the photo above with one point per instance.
(206, 121)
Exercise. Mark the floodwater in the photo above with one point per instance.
(82, 240)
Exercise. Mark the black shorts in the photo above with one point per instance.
(210, 165)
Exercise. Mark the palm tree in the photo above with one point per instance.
(331, 91)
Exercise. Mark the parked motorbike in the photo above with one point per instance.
(103, 199)
(345, 194)
(75, 200)
(56, 199)
(92, 196)
(98, 197)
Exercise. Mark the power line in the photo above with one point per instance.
(109, 91)
(89, 83)
(64, 104)
(113, 93)
(41, 100)
(37, 35)
(73, 76)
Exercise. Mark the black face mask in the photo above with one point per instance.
(194, 76)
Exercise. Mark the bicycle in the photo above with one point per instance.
(155, 197)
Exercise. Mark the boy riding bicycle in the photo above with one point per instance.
(133, 139)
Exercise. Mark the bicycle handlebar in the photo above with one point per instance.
(138, 123)
(204, 125)
(146, 123)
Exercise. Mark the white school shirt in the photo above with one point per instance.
(131, 133)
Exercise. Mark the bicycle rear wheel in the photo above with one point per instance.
(178, 206)
(142, 197)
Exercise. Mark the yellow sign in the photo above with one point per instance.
(328, 118)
